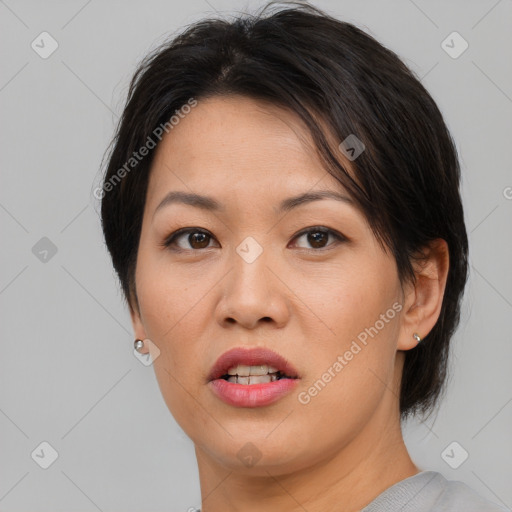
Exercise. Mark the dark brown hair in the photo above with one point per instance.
(406, 181)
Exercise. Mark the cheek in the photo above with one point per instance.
(348, 297)
(172, 310)
(175, 313)
(169, 297)
(173, 316)
(355, 341)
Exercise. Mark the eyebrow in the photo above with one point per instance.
(210, 204)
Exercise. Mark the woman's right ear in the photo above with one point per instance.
(138, 327)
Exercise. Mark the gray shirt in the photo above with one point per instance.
(430, 491)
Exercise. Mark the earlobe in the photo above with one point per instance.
(138, 329)
(424, 298)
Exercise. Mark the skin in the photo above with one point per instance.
(307, 302)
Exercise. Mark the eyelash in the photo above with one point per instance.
(170, 241)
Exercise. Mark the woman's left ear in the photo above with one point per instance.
(424, 298)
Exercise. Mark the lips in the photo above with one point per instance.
(251, 357)
(242, 392)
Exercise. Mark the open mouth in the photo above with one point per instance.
(255, 379)
(252, 366)
(253, 374)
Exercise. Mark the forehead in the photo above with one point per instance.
(234, 143)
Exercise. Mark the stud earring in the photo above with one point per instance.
(417, 337)
(138, 344)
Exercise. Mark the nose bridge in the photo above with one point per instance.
(249, 250)
(250, 292)
(250, 273)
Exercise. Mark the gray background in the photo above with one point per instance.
(67, 372)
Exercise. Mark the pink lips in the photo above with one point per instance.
(252, 395)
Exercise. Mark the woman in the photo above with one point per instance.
(281, 204)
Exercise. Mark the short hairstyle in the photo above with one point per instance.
(406, 181)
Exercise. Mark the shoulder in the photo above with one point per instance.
(457, 495)
(429, 491)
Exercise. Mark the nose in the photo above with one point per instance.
(252, 294)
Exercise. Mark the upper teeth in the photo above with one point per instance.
(244, 370)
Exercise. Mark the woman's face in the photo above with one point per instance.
(329, 306)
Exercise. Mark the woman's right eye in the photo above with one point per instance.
(197, 239)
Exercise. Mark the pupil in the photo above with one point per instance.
(201, 238)
(315, 239)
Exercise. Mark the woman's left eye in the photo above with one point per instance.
(317, 237)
